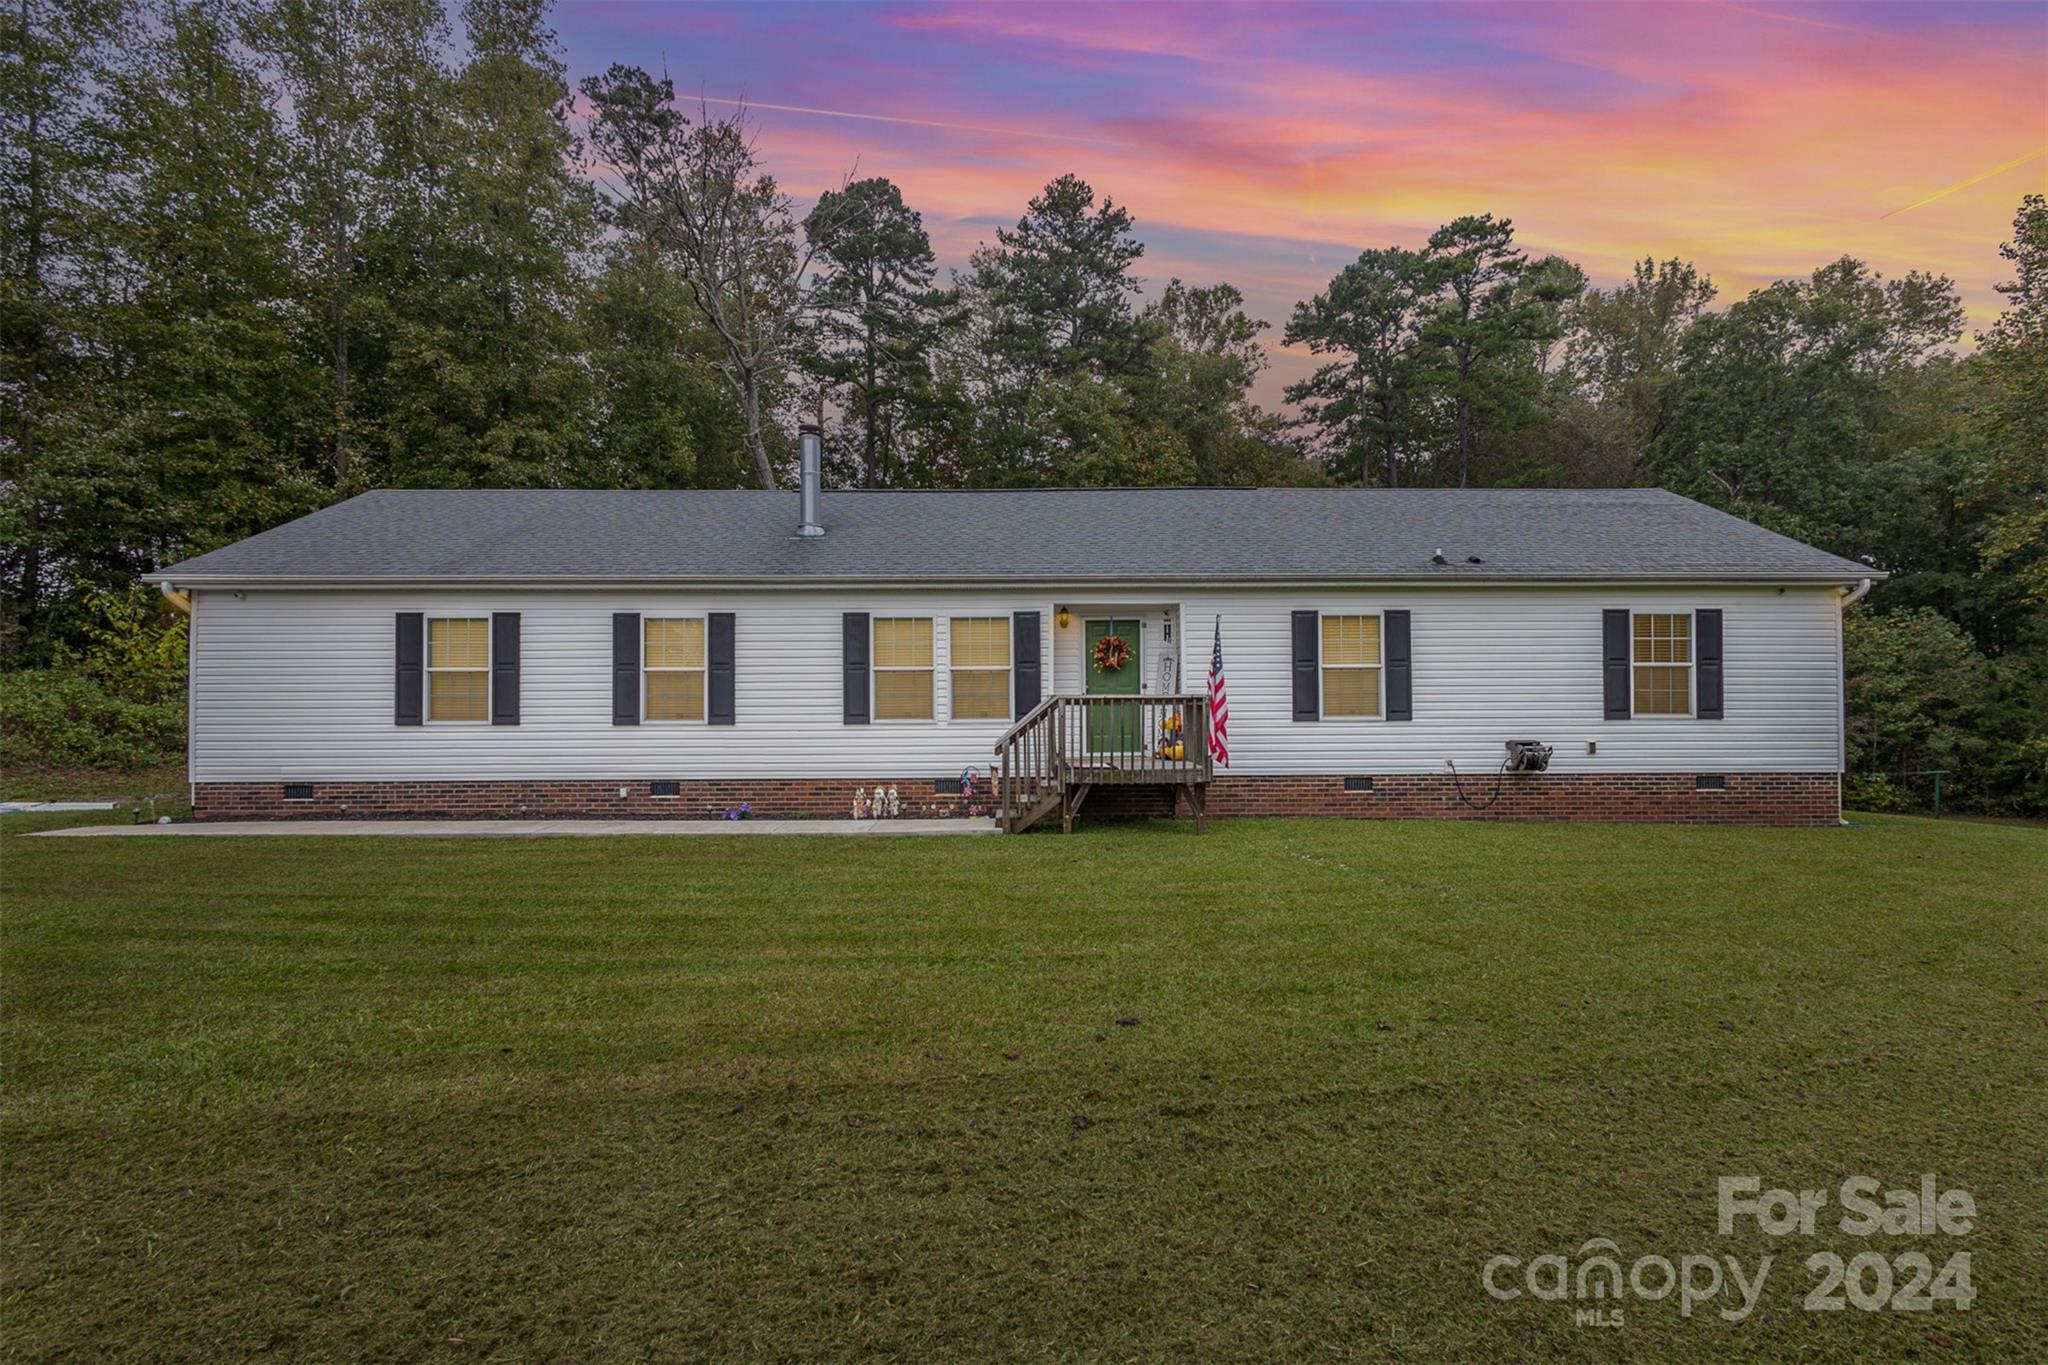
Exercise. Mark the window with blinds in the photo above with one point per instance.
(980, 659)
(458, 668)
(1663, 663)
(1351, 665)
(902, 666)
(672, 666)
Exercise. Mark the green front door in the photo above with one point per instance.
(1113, 729)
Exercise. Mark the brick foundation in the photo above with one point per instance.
(1635, 798)
(770, 798)
(1664, 798)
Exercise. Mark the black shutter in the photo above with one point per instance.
(504, 668)
(1400, 666)
(1308, 657)
(1025, 657)
(1614, 662)
(854, 680)
(1707, 662)
(626, 668)
(410, 708)
(720, 706)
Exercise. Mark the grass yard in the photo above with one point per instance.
(1282, 1090)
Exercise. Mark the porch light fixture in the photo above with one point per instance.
(1065, 618)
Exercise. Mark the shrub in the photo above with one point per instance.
(1875, 792)
(136, 646)
(51, 717)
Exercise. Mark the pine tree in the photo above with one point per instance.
(1059, 285)
(1477, 319)
(878, 313)
(1367, 399)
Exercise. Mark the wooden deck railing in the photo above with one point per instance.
(1068, 745)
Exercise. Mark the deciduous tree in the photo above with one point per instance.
(699, 190)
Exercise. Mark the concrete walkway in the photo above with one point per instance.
(523, 829)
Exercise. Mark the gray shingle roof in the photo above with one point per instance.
(1053, 534)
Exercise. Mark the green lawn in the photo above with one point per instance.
(1279, 1090)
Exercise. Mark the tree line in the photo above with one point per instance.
(260, 255)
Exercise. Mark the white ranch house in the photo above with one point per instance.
(679, 654)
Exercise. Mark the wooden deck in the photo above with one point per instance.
(1069, 745)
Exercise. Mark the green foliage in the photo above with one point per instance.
(1921, 696)
(1916, 689)
(1623, 344)
(117, 701)
(1871, 791)
(53, 718)
(1368, 405)
(1437, 355)
(700, 204)
(136, 646)
(1058, 286)
(878, 315)
(2014, 355)
(487, 383)
(1792, 395)
(1487, 312)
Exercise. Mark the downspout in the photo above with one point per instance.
(183, 602)
(1856, 594)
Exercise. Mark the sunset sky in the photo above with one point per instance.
(1268, 145)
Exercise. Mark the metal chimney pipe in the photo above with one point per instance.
(811, 447)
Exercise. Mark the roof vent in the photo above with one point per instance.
(811, 474)
(1438, 558)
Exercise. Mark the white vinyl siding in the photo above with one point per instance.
(1492, 664)
(298, 684)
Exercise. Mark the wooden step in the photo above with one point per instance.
(1031, 814)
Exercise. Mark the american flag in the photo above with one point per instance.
(1219, 703)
